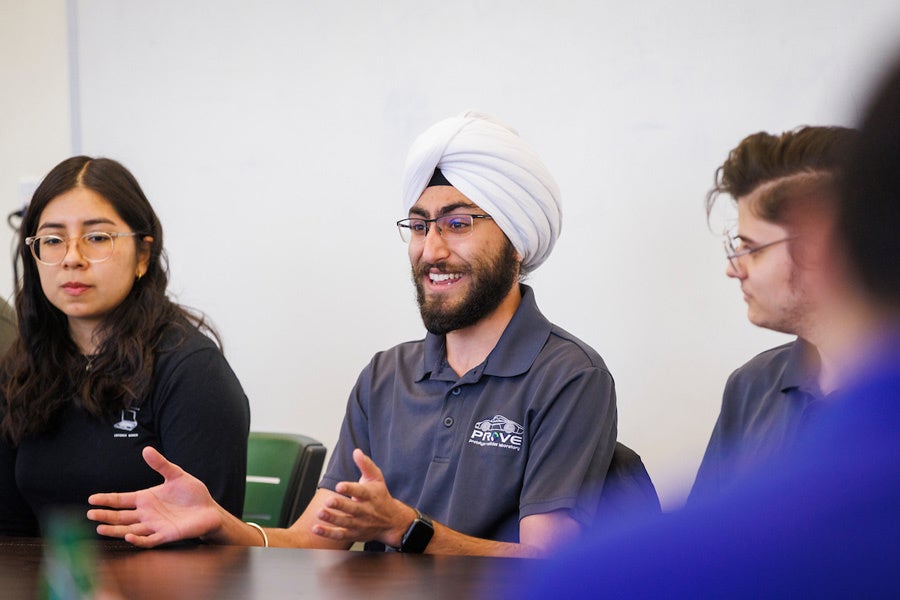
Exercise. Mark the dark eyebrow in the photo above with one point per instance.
(444, 210)
(87, 223)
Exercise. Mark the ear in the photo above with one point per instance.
(143, 255)
(519, 274)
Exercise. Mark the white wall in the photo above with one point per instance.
(34, 107)
(270, 137)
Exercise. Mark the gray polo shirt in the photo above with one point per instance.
(530, 430)
(763, 407)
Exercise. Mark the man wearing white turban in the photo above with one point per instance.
(499, 425)
(490, 164)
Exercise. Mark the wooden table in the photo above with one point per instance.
(199, 572)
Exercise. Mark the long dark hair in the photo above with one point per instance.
(44, 369)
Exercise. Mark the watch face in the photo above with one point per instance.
(417, 536)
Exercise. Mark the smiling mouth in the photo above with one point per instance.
(444, 277)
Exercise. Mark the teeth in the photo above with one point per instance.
(441, 277)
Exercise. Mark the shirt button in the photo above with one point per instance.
(448, 421)
(455, 391)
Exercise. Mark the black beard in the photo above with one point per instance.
(491, 281)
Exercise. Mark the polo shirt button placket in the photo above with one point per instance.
(448, 421)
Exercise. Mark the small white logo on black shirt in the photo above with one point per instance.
(127, 422)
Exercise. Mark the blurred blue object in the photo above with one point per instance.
(822, 522)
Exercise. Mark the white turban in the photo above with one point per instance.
(490, 164)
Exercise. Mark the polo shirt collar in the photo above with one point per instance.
(795, 374)
(515, 352)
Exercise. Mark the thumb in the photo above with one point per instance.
(368, 470)
(158, 463)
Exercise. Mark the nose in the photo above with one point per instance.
(734, 269)
(73, 257)
(434, 246)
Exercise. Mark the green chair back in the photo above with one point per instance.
(283, 472)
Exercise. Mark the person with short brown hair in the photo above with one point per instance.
(784, 253)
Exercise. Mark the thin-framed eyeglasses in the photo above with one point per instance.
(735, 248)
(95, 246)
(449, 227)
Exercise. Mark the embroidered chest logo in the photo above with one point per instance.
(127, 422)
(498, 432)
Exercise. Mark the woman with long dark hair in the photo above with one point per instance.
(105, 363)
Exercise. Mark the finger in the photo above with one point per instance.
(337, 518)
(113, 517)
(114, 500)
(342, 508)
(347, 489)
(116, 531)
(368, 470)
(158, 463)
(145, 541)
(332, 533)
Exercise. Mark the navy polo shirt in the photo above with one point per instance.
(530, 430)
(764, 406)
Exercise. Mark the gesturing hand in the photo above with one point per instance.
(365, 510)
(179, 508)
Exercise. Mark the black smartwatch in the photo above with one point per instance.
(416, 538)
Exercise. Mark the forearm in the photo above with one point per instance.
(449, 541)
(235, 532)
(539, 536)
(299, 535)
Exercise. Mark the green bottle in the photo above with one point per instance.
(68, 565)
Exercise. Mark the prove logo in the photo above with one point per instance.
(498, 432)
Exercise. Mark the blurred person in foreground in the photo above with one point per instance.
(825, 521)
